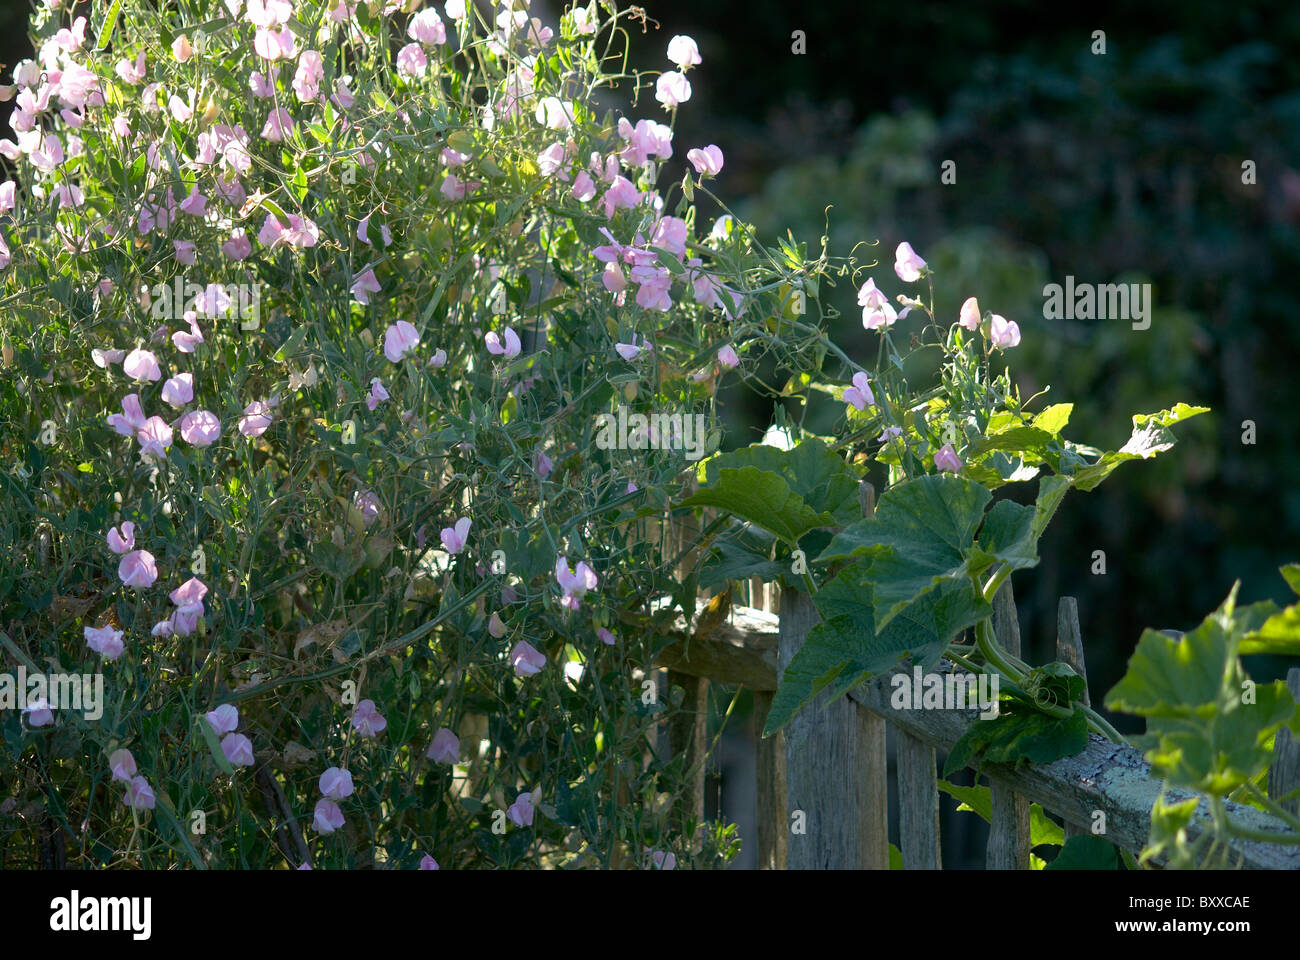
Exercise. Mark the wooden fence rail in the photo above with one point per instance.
(821, 784)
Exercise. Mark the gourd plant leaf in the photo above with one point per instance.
(1086, 852)
(1208, 724)
(761, 497)
(1280, 632)
(1019, 735)
(1151, 435)
(745, 551)
(817, 475)
(1043, 830)
(845, 648)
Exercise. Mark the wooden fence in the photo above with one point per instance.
(826, 771)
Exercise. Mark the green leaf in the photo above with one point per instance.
(762, 498)
(1086, 852)
(1168, 837)
(812, 471)
(1151, 435)
(1054, 418)
(895, 858)
(291, 346)
(918, 538)
(1291, 574)
(740, 554)
(1043, 830)
(845, 649)
(1017, 736)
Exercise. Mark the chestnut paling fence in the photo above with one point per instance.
(822, 782)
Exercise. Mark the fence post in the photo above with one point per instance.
(1008, 847)
(1069, 649)
(1284, 773)
(836, 778)
(918, 803)
(769, 788)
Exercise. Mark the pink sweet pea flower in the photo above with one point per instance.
(574, 583)
(583, 187)
(400, 339)
(663, 860)
(185, 252)
(122, 542)
(139, 795)
(606, 637)
(859, 395)
(336, 783)
(178, 390)
(411, 61)
(141, 365)
(191, 591)
(511, 347)
(367, 504)
(224, 719)
(445, 747)
(621, 195)
(138, 570)
(542, 465)
(427, 27)
(122, 763)
(38, 713)
(131, 420)
(453, 538)
(526, 659)
(367, 721)
(877, 311)
(727, 357)
(630, 351)
(672, 88)
(238, 749)
(256, 419)
(306, 81)
(907, 264)
(1003, 332)
(196, 204)
(188, 342)
(275, 44)
(200, 428)
(521, 811)
(439, 359)
(683, 51)
(278, 126)
(889, 433)
(946, 459)
(707, 161)
(364, 285)
(105, 641)
(453, 188)
(328, 817)
(181, 48)
(970, 314)
(428, 863)
(377, 393)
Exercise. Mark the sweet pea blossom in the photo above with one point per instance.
(275, 44)
(453, 188)
(663, 860)
(439, 359)
(511, 347)
(727, 357)
(122, 542)
(238, 749)
(367, 505)
(630, 351)
(542, 465)
(141, 365)
(256, 419)
(521, 811)
(182, 50)
(1003, 332)
(178, 390)
(907, 264)
(526, 659)
(970, 314)
(377, 393)
(606, 637)
(307, 78)
(336, 783)
(683, 51)
(707, 160)
(105, 641)
(427, 27)
(38, 713)
(859, 395)
(889, 433)
(364, 285)
(278, 126)
(672, 88)
(877, 311)
(411, 61)
(122, 764)
(224, 719)
(138, 570)
(574, 583)
(131, 419)
(946, 459)
(400, 339)
(428, 863)
(139, 795)
(445, 747)
(200, 428)
(328, 817)
(454, 538)
(367, 720)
